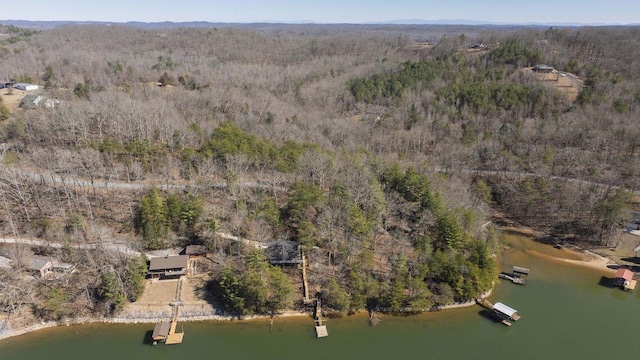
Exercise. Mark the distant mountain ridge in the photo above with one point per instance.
(46, 25)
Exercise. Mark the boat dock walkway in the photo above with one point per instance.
(166, 331)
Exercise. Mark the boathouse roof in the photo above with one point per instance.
(168, 262)
(161, 330)
(504, 309)
(520, 270)
(624, 274)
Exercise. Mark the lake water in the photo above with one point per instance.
(566, 314)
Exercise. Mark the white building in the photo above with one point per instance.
(26, 87)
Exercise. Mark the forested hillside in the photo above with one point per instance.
(382, 155)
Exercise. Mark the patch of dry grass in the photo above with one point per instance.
(12, 99)
(567, 83)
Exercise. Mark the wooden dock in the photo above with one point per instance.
(484, 303)
(321, 327)
(173, 337)
(166, 330)
(321, 330)
(517, 276)
(520, 270)
(513, 279)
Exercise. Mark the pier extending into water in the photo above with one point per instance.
(166, 330)
(517, 276)
(321, 327)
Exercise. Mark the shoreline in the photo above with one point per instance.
(597, 262)
(195, 318)
(586, 258)
(149, 320)
(589, 259)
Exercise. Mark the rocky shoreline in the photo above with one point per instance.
(6, 331)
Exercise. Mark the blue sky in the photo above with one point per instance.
(326, 11)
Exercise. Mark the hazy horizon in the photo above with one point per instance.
(621, 12)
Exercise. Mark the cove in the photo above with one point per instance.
(566, 314)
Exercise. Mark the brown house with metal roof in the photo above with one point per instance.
(42, 266)
(168, 266)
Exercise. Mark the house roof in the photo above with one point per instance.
(5, 262)
(283, 252)
(168, 262)
(38, 263)
(542, 67)
(624, 274)
(504, 309)
(30, 101)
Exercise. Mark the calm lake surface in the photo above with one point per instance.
(566, 314)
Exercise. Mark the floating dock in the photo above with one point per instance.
(321, 328)
(520, 271)
(517, 276)
(629, 285)
(513, 279)
(500, 311)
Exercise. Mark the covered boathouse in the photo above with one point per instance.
(505, 313)
(161, 331)
(624, 279)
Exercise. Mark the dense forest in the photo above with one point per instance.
(384, 151)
